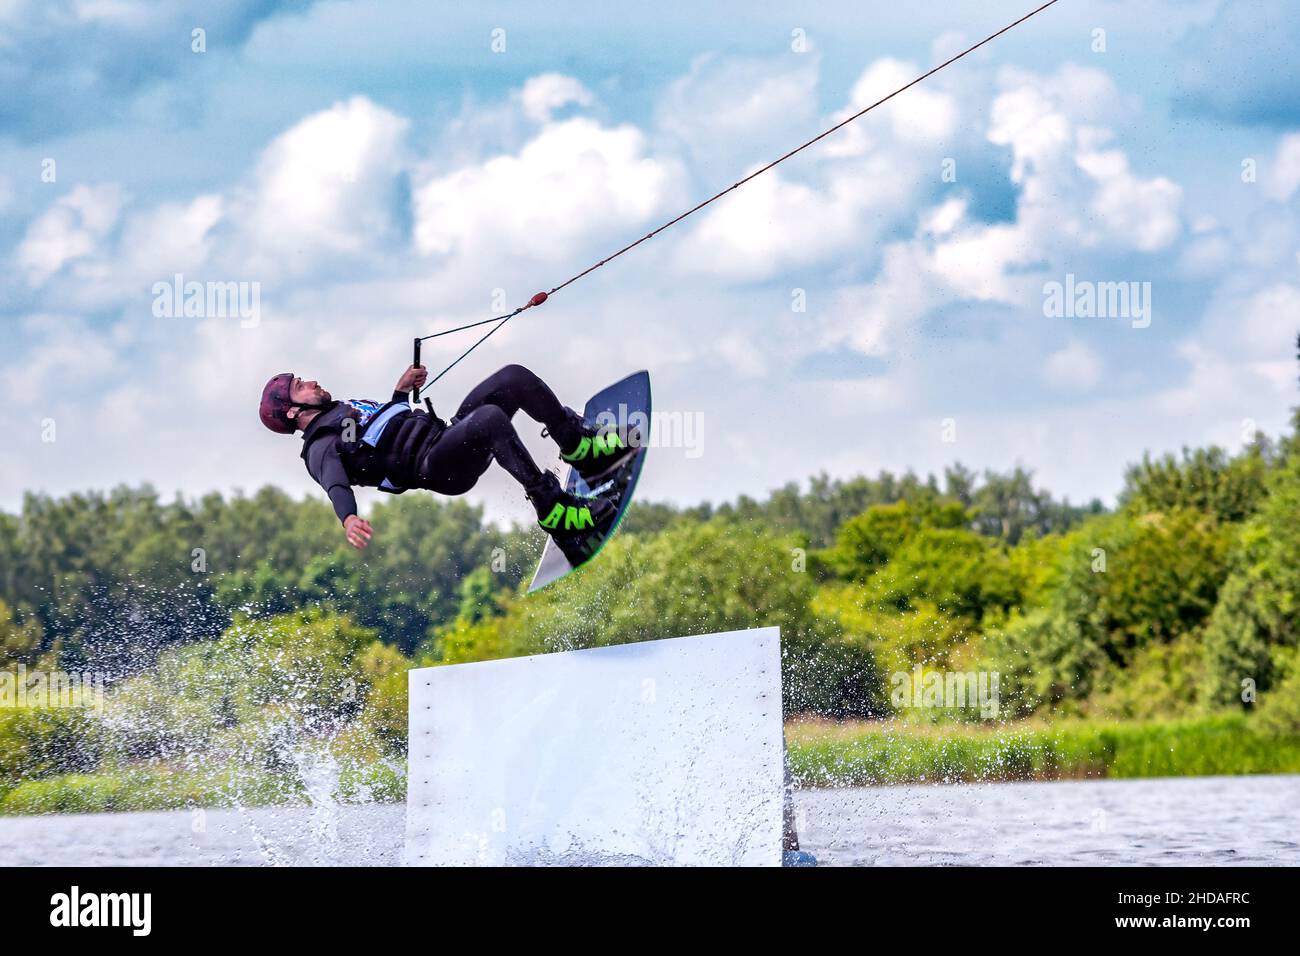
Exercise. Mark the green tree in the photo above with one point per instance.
(698, 578)
(301, 670)
(385, 713)
(1204, 479)
(20, 641)
(1256, 621)
(1008, 507)
(482, 596)
(958, 572)
(866, 543)
(1127, 582)
(921, 586)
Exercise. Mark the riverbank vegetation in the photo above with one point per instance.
(959, 627)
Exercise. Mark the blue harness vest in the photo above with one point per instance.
(374, 417)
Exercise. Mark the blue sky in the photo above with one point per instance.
(379, 171)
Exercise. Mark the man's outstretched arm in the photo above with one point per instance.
(325, 465)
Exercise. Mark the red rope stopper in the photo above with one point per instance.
(537, 299)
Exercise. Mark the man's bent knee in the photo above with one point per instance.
(488, 420)
(516, 373)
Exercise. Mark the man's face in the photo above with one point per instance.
(307, 391)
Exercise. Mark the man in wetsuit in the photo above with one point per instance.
(394, 447)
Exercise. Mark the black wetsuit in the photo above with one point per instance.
(394, 447)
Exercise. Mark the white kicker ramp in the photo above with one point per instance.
(662, 752)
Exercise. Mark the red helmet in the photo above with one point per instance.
(276, 404)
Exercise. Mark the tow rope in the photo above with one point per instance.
(541, 297)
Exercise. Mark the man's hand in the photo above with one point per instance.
(358, 531)
(413, 377)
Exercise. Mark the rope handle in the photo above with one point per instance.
(500, 320)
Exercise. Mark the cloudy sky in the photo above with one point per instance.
(379, 171)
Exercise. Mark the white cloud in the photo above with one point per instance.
(1046, 118)
(919, 118)
(324, 188)
(1240, 365)
(543, 95)
(1284, 176)
(1143, 214)
(71, 229)
(872, 318)
(943, 219)
(1036, 130)
(1259, 326)
(119, 13)
(729, 111)
(887, 254)
(1222, 389)
(1075, 368)
(573, 180)
(742, 355)
(85, 64)
(772, 225)
(1206, 255)
(1076, 189)
(1077, 193)
(61, 354)
(948, 44)
(975, 262)
(323, 192)
(170, 238)
(836, 199)
(919, 115)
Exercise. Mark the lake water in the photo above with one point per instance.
(1168, 822)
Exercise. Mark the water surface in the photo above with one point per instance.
(1167, 822)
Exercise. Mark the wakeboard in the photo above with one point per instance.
(625, 405)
